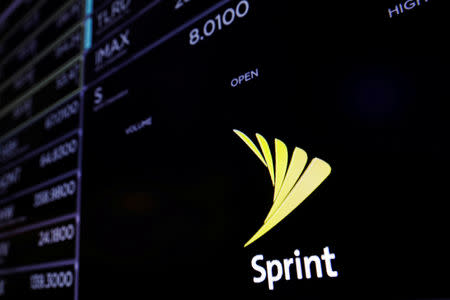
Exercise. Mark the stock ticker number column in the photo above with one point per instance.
(41, 78)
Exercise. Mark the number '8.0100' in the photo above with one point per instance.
(225, 19)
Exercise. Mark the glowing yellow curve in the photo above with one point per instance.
(296, 166)
(251, 145)
(314, 175)
(281, 162)
(267, 155)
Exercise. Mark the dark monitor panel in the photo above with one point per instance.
(248, 148)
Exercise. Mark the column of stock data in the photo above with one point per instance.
(41, 79)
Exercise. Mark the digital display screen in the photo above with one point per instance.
(224, 148)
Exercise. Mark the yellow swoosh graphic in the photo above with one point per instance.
(251, 145)
(314, 175)
(267, 155)
(298, 163)
(281, 162)
(289, 190)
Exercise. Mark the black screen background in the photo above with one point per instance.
(168, 209)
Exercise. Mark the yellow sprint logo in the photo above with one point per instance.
(291, 185)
